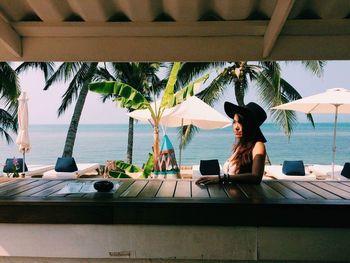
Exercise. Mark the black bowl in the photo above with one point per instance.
(103, 186)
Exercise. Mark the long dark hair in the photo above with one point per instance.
(245, 145)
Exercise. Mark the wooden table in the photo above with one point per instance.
(177, 202)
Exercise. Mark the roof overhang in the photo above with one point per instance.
(174, 30)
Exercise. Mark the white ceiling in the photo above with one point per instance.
(174, 30)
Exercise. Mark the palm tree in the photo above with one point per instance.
(143, 77)
(80, 74)
(9, 91)
(129, 97)
(272, 88)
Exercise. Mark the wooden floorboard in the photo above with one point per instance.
(167, 189)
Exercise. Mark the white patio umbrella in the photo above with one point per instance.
(145, 115)
(191, 111)
(196, 112)
(335, 101)
(23, 136)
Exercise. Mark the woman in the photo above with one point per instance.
(247, 162)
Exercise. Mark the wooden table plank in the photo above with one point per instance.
(283, 190)
(262, 191)
(52, 190)
(346, 183)
(235, 191)
(333, 189)
(307, 194)
(24, 187)
(4, 180)
(167, 189)
(183, 189)
(151, 189)
(340, 186)
(217, 191)
(134, 189)
(199, 191)
(123, 185)
(13, 185)
(46, 184)
(318, 190)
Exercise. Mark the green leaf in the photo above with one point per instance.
(117, 174)
(127, 167)
(147, 169)
(169, 89)
(187, 91)
(126, 96)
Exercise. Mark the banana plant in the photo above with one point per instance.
(128, 97)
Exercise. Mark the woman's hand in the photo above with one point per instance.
(204, 180)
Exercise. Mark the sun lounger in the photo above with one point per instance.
(83, 168)
(275, 171)
(36, 170)
(326, 170)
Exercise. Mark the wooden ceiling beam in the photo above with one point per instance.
(278, 18)
(195, 49)
(90, 10)
(141, 29)
(50, 11)
(10, 39)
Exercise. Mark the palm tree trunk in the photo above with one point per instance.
(130, 141)
(239, 93)
(156, 143)
(74, 123)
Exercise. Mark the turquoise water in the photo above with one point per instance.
(98, 143)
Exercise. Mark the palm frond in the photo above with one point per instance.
(46, 67)
(186, 134)
(190, 71)
(9, 83)
(103, 74)
(65, 72)
(315, 66)
(82, 77)
(215, 89)
(7, 123)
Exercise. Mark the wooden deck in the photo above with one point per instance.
(177, 202)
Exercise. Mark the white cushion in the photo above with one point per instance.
(83, 168)
(326, 170)
(275, 171)
(36, 169)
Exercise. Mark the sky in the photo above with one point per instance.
(43, 105)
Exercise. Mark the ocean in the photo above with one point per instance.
(101, 142)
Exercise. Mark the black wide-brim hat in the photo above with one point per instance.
(252, 111)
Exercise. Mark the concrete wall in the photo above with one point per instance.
(139, 243)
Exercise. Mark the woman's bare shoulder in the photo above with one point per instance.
(259, 148)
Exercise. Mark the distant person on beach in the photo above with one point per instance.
(247, 162)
